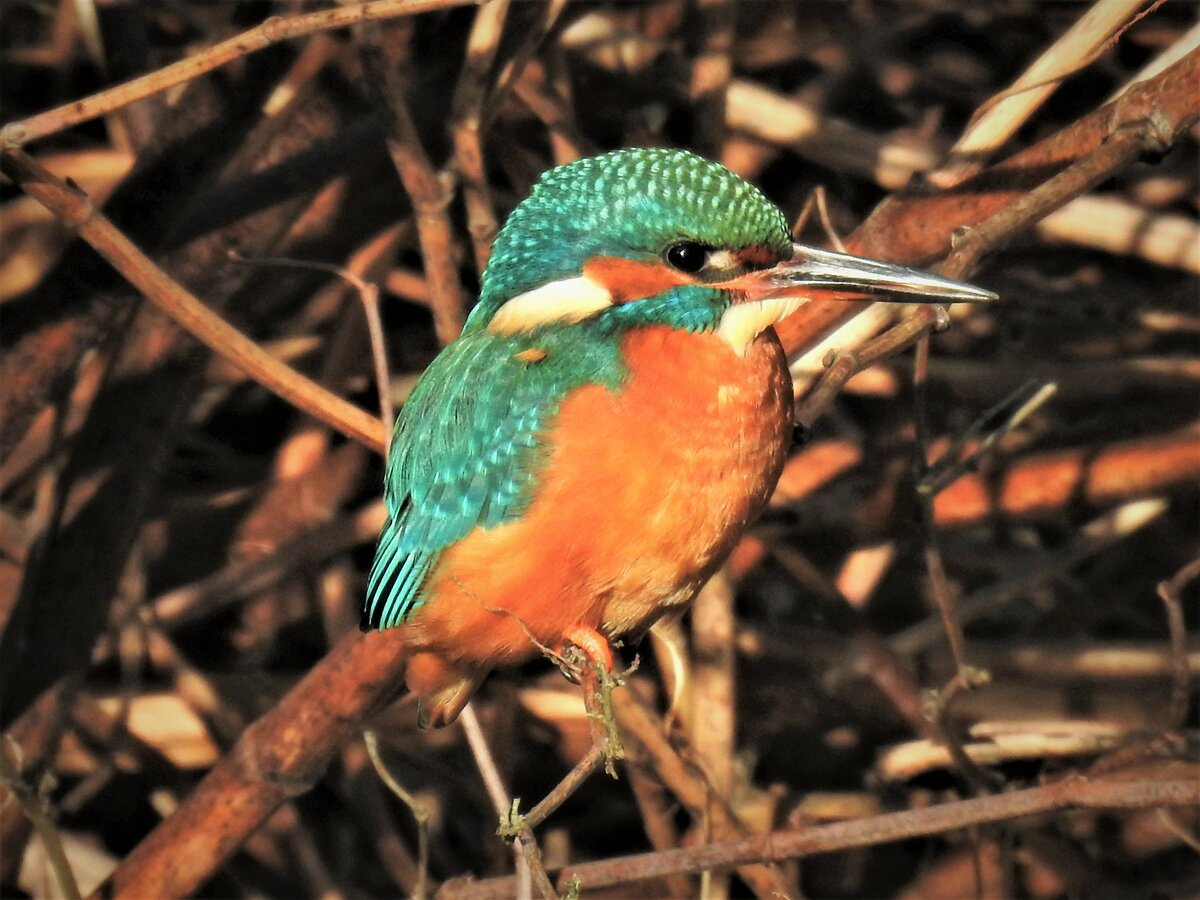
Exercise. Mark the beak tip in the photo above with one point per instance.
(831, 271)
(973, 294)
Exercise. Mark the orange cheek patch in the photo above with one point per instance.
(631, 279)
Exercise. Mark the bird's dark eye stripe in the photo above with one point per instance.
(687, 256)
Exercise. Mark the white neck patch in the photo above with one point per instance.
(568, 300)
(743, 322)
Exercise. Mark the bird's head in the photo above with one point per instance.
(663, 237)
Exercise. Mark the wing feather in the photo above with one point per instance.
(467, 447)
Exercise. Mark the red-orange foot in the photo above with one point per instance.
(592, 644)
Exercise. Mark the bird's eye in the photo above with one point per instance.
(687, 256)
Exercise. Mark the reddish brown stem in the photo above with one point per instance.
(1072, 793)
(916, 225)
(279, 757)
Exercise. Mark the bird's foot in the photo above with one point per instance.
(583, 649)
(585, 656)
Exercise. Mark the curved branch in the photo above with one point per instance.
(1071, 793)
(75, 208)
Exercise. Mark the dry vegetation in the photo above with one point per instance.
(953, 658)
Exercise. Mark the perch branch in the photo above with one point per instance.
(1071, 793)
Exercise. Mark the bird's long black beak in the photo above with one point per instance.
(813, 271)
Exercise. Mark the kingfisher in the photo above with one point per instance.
(615, 413)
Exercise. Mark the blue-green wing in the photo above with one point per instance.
(465, 454)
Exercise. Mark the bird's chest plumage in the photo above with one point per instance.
(644, 491)
(691, 450)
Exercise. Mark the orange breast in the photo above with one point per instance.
(645, 493)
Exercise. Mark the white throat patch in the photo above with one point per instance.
(743, 322)
(568, 300)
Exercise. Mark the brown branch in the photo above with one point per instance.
(467, 115)
(917, 225)
(1000, 117)
(641, 728)
(272, 31)
(1122, 148)
(278, 757)
(1071, 793)
(74, 208)
(1176, 714)
(430, 196)
(1169, 100)
(1170, 592)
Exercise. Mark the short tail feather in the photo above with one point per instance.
(396, 577)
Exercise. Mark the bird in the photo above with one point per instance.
(615, 413)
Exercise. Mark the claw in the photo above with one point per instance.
(591, 644)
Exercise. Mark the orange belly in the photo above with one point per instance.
(646, 490)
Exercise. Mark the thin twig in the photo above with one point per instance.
(272, 31)
(528, 860)
(1015, 409)
(562, 791)
(368, 295)
(1176, 713)
(416, 807)
(842, 365)
(965, 677)
(467, 127)
(1000, 117)
(1095, 537)
(1071, 793)
(651, 749)
(710, 716)
(74, 208)
(1171, 594)
(430, 194)
(34, 805)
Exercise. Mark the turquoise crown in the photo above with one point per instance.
(631, 203)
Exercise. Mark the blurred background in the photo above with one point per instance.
(178, 545)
